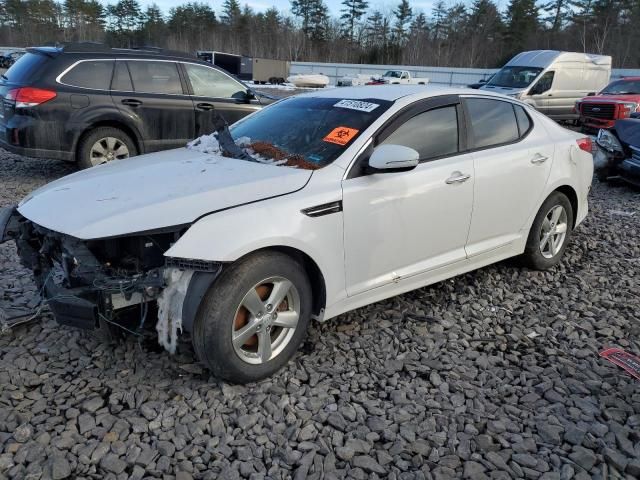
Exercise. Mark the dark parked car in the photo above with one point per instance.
(93, 104)
(618, 155)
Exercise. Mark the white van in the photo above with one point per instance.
(552, 81)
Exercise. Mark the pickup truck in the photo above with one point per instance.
(402, 77)
(620, 99)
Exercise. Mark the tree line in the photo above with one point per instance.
(452, 34)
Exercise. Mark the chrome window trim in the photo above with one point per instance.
(183, 62)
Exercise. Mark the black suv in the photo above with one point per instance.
(93, 104)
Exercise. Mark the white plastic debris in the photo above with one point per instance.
(170, 307)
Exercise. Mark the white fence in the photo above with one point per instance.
(439, 75)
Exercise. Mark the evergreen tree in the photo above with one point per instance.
(522, 24)
(403, 14)
(230, 11)
(352, 12)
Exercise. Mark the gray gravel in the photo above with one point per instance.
(494, 374)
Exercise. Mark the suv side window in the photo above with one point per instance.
(94, 74)
(493, 122)
(155, 77)
(209, 82)
(432, 134)
(121, 79)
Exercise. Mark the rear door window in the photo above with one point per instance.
(25, 67)
(94, 74)
(155, 77)
(493, 122)
(432, 134)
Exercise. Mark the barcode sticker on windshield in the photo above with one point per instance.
(357, 105)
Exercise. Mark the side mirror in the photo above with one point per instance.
(393, 158)
(591, 94)
(484, 80)
(250, 95)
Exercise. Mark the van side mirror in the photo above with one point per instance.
(393, 158)
(484, 80)
(591, 94)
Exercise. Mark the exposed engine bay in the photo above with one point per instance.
(118, 281)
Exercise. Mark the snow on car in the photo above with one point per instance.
(311, 207)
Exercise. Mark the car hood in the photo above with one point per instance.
(503, 90)
(628, 131)
(611, 98)
(154, 191)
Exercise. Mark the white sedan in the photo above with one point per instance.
(311, 207)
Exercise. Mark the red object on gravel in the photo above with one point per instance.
(629, 362)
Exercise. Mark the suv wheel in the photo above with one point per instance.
(103, 145)
(254, 318)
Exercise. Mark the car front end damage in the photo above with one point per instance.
(121, 281)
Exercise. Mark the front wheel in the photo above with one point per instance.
(254, 317)
(549, 233)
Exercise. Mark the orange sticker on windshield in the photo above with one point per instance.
(341, 135)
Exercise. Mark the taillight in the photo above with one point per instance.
(585, 144)
(29, 96)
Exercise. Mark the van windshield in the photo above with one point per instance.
(515, 77)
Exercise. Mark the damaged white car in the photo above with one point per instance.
(316, 205)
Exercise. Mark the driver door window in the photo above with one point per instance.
(544, 84)
(432, 134)
(209, 82)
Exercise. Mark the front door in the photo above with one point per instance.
(214, 90)
(151, 94)
(401, 224)
(541, 92)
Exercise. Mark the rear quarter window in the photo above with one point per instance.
(94, 74)
(26, 67)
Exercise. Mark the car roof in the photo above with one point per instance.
(395, 92)
(96, 49)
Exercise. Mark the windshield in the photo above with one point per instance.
(622, 87)
(305, 132)
(515, 77)
(392, 74)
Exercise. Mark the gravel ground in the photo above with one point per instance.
(494, 374)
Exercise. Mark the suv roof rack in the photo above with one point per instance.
(97, 47)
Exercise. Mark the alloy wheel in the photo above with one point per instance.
(266, 320)
(108, 149)
(553, 231)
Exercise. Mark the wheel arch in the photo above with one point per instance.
(571, 194)
(129, 130)
(201, 282)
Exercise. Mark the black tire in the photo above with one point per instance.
(94, 136)
(218, 313)
(533, 256)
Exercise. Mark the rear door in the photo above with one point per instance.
(152, 94)
(212, 90)
(512, 160)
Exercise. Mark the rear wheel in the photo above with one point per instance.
(103, 145)
(254, 318)
(549, 233)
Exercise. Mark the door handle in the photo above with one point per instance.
(538, 159)
(205, 106)
(131, 102)
(457, 177)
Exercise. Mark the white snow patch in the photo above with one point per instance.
(210, 144)
(170, 307)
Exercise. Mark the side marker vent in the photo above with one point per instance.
(324, 209)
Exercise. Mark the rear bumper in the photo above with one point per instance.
(37, 152)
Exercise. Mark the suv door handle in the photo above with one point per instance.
(205, 106)
(457, 177)
(538, 159)
(131, 102)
